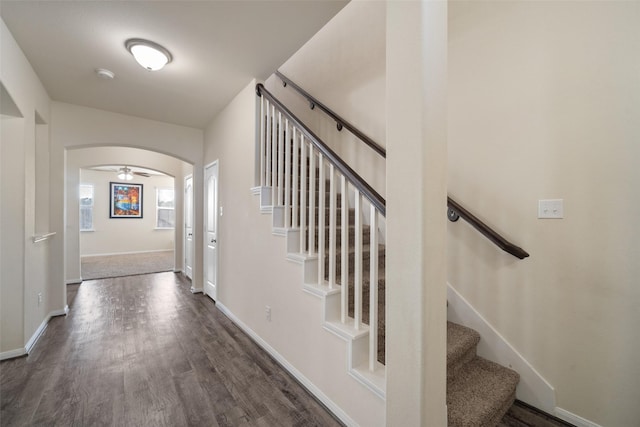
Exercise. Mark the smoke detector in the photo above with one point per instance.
(103, 73)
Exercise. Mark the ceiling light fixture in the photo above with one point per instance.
(150, 55)
(125, 173)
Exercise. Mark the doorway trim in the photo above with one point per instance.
(211, 291)
(188, 249)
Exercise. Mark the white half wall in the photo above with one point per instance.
(253, 272)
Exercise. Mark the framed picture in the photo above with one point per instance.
(126, 200)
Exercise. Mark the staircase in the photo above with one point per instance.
(320, 211)
(479, 392)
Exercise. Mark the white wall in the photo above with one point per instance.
(77, 127)
(544, 103)
(97, 156)
(343, 66)
(24, 271)
(253, 271)
(118, 235)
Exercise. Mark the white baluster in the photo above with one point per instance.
(357, 291)
(295, 177)
(344, 252)
(280, 157)
(321, 218)
(373, 289)
(332, 228)
(312, 200)
(267, 143)
(303, 194)
(262, 140)
(287, 176)
(274, 159)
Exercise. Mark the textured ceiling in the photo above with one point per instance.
(217, 48)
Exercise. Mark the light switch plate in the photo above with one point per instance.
(553, 208)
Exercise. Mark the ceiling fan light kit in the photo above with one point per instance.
(125, 174)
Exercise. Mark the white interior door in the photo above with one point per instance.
(188, 226)
(211, 230)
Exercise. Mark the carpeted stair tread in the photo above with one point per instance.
(480, 394)
(461, 347)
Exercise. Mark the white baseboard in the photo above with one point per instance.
(127, 253)
(335, 409)
(533, 388)
(196, 290)
(13, 353)
(73, 281)
(61, 312)
(574, 419)
(35, 337)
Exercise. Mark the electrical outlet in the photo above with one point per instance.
(39, 298)
(267, 312)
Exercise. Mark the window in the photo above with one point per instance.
(165, 212)
(86, 207)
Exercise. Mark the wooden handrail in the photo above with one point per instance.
(340, 122)
(457, 211)
(372, 195)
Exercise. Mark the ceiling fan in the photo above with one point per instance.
(126, 173)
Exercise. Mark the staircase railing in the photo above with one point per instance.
(455, 210)
(340, 122)
(297, 165)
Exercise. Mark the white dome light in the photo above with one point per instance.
(150, 55)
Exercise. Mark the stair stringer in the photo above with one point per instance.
(532, 388)
(357, 339)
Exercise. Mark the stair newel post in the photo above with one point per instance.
(280, 160)
(267, 144)
(294, 179)
(344, 251)
(312, 200)
(321, 217)
(303, 194)
(357, 290)
(262, 139)
(373, 289)
(287, 175)
(332, 227)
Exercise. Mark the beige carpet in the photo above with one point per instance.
(102, 267)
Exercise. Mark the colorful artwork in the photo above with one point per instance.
(126, 200)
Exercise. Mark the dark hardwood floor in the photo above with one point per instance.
(144, 351)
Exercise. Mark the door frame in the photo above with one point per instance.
(205, 239)
(184, 227)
